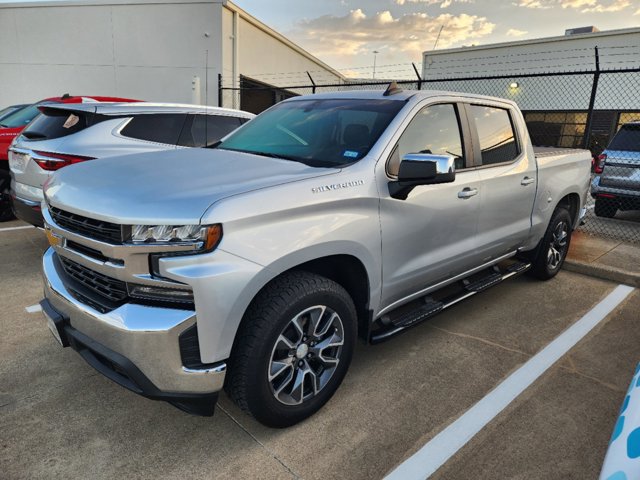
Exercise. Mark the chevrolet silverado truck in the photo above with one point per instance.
(255, 266)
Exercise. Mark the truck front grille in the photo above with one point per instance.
(88, 227)
(100, 287)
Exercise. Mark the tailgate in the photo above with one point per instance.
(621, 170)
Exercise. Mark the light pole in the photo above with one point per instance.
(375, 54)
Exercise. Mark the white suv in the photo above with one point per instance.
(67, 134)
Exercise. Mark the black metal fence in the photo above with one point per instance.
(593, 109)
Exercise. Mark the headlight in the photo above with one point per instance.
(209, 236)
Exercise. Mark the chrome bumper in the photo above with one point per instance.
(147, 336)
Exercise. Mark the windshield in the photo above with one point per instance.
(323, 133)
(21, 118)
(627, 138)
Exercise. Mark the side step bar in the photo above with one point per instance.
(399, 320)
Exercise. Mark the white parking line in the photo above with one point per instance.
(8, 229)
(34, 308)
(443, 446)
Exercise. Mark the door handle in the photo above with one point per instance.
(527, 181)
(467, 193)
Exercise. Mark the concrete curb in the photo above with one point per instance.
(604, 272)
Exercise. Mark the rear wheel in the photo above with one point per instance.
(5, 199)
(605, 207)
(293, 349)
(552, 250)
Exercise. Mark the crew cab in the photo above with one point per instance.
(255, 266)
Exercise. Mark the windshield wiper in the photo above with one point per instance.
(2, 125)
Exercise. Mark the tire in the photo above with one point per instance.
(605, 208)
(5, 200)
(290, 337)
(551, 252)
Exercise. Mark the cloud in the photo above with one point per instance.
(513, 32)
(616, 6)
(344, 40)
(585, 6)
(443, 3)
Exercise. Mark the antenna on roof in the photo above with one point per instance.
(65, 96)
(392, 89)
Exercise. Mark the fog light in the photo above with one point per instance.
(161, 294)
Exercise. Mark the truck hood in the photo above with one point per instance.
(172, 187)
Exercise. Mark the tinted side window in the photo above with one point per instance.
(159, 128)
(211, 127)
(496, 134)
(435, 129)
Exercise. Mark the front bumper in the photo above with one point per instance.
(137, 346)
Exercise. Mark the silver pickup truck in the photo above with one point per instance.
(256, 265)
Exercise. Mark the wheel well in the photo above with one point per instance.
(572, 203)
(348, 272)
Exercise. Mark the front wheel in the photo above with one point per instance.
(293, 349)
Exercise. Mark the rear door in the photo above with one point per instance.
(507, 176)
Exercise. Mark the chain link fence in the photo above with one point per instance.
(594, 109)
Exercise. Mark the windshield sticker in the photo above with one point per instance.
(350, 154)
(71, 121)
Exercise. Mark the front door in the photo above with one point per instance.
(430, 236)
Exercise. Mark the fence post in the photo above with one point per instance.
(415, 69)
(592, 101)
(220, 90)
(313, 89)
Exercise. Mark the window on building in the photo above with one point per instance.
(435, 129)
(556, 129)
(496, 134)
(159, 128)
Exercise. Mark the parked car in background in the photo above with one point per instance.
(5, 112)
(254, 266)
(68, 134)
(616, 185)
(13, 124)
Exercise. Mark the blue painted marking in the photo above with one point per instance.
(617, 430)
(633, 444)
(619, 475)
(625, 404)
(350, 154)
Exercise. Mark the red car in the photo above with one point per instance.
(12, 125)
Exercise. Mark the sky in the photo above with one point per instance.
(345, 33)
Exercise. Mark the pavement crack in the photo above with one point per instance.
(482, 340)
(594, 379)
(255, 439)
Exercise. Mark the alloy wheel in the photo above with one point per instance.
(305, 355)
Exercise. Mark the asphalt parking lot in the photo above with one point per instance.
(60, 419)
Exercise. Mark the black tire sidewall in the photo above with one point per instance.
(540, 267)
(261, 402)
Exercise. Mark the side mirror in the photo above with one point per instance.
(422, 169)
